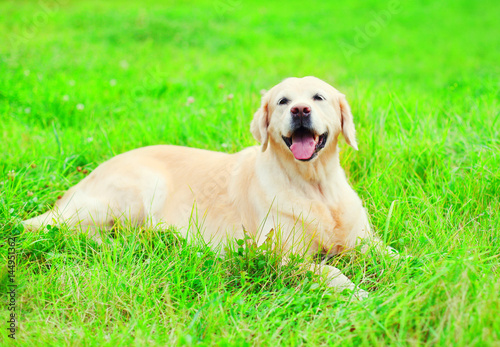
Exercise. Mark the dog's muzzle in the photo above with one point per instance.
(305, 143)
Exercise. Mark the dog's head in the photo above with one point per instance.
(303, 116)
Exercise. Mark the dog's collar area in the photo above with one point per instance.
(298, 136)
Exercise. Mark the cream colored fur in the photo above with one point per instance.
(261, 188)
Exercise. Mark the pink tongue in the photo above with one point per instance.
(303, 146)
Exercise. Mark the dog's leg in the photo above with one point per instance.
(337, 280)
(373, 242)
(333, 277)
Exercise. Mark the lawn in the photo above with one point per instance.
(81, 81)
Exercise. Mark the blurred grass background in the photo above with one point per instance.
(81, 81)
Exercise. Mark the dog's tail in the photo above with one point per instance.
(41, 221)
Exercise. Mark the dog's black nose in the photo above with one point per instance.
(300, 111)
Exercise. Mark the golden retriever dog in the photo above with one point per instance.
(292, 183)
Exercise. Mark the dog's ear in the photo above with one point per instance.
(260, 122)
(347, 122)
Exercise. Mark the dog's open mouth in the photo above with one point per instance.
(305, 144)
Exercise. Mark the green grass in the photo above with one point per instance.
(424, 89)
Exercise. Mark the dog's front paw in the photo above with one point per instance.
(392, 252)
(338, 281)
(361, 294)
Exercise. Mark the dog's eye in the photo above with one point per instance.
(318, 97)
(283, 101)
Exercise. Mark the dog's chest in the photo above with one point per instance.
(336, 223)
